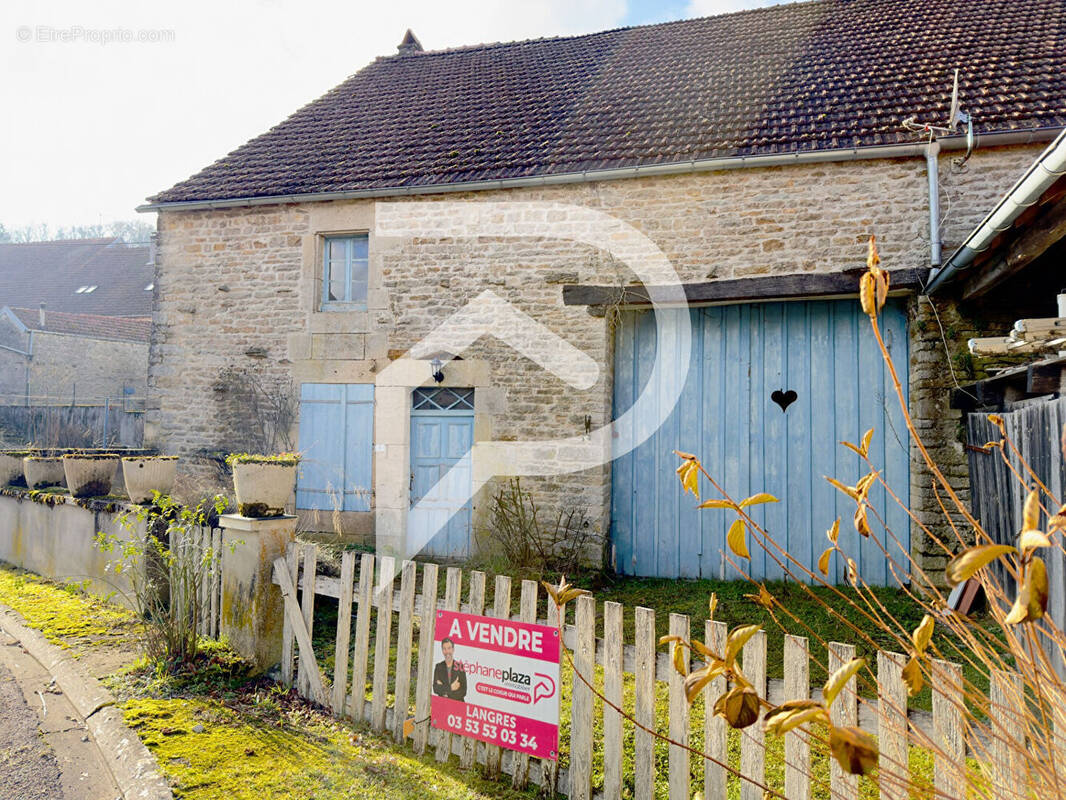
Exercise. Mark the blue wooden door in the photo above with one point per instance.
(439, 522)
(823, 351)
(337, 443)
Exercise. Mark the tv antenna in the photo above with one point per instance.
(956, 117)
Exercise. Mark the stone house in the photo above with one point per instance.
(75, 315)
(53, 356)
(445, 265)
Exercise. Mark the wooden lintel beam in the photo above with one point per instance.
(1043, 378)
(769, 287)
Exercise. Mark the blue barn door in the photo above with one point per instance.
(823, 351)
(442, 433)
(337, 443)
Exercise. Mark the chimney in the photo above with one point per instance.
(410, 44)
(40, 315)
(153, 240)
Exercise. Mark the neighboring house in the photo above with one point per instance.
(48, 357)
(85, 306)
(758, 151)
(78, 276)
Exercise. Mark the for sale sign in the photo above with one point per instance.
(497, 681)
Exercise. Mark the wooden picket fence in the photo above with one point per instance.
(641, 669)
(197, 567)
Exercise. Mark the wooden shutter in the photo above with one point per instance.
(337, 443)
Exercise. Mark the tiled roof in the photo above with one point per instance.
(806, 76)
(52, 272)
(93, 326)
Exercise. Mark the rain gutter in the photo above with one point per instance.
(1048, 168)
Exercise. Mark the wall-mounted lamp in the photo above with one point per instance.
(438, 369)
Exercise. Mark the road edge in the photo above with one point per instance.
(132, 766)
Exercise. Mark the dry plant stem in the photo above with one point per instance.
(662, 737)
(930, 463)
(765, 538)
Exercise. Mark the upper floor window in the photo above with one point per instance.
(345, 269)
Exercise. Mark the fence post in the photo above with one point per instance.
(893, 769)
(1006, 709)
(252, 608)
(288, 635)
(644, 705)
(680, 777)
(843, 712)
(527, 613)
(404, 636)
(468, 754)
(307, 606)
(612, 690)
(427, 620)
(715, 732)
(581, 707)
(361, 648)
(797, 747)
(501, 609)
(344, 634)
(949, 763)
(752, 738)
(383, 641)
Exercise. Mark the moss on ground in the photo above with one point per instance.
(210, 752)
(62, 612)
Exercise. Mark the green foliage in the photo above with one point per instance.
(166, 569)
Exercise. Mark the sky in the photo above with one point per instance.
(108, 101)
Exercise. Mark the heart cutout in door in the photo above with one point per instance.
(784, 399)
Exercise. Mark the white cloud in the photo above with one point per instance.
(91, 129)
(709, 8)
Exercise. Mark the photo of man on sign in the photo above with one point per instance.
(449, 679)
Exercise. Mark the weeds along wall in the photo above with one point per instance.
(238, 290)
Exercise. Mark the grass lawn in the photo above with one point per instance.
(814, 620)
(216, 734)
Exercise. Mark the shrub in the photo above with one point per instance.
(166, 570)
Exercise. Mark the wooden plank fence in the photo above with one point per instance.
(389, 599)
(1036, 429)
(197, 568)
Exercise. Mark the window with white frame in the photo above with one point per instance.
(345, 270)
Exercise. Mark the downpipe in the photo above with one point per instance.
(932, 170)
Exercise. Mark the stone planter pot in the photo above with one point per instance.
(145, 474)
(263, 489)
(11, 471)
(89, 475)
(41, 471)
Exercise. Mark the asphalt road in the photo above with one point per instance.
(46, 752)
(29, 769)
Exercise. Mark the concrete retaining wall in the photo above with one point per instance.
(59, 542)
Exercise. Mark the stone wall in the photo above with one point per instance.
(238, 289)
(58, 541)
(64, 366)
